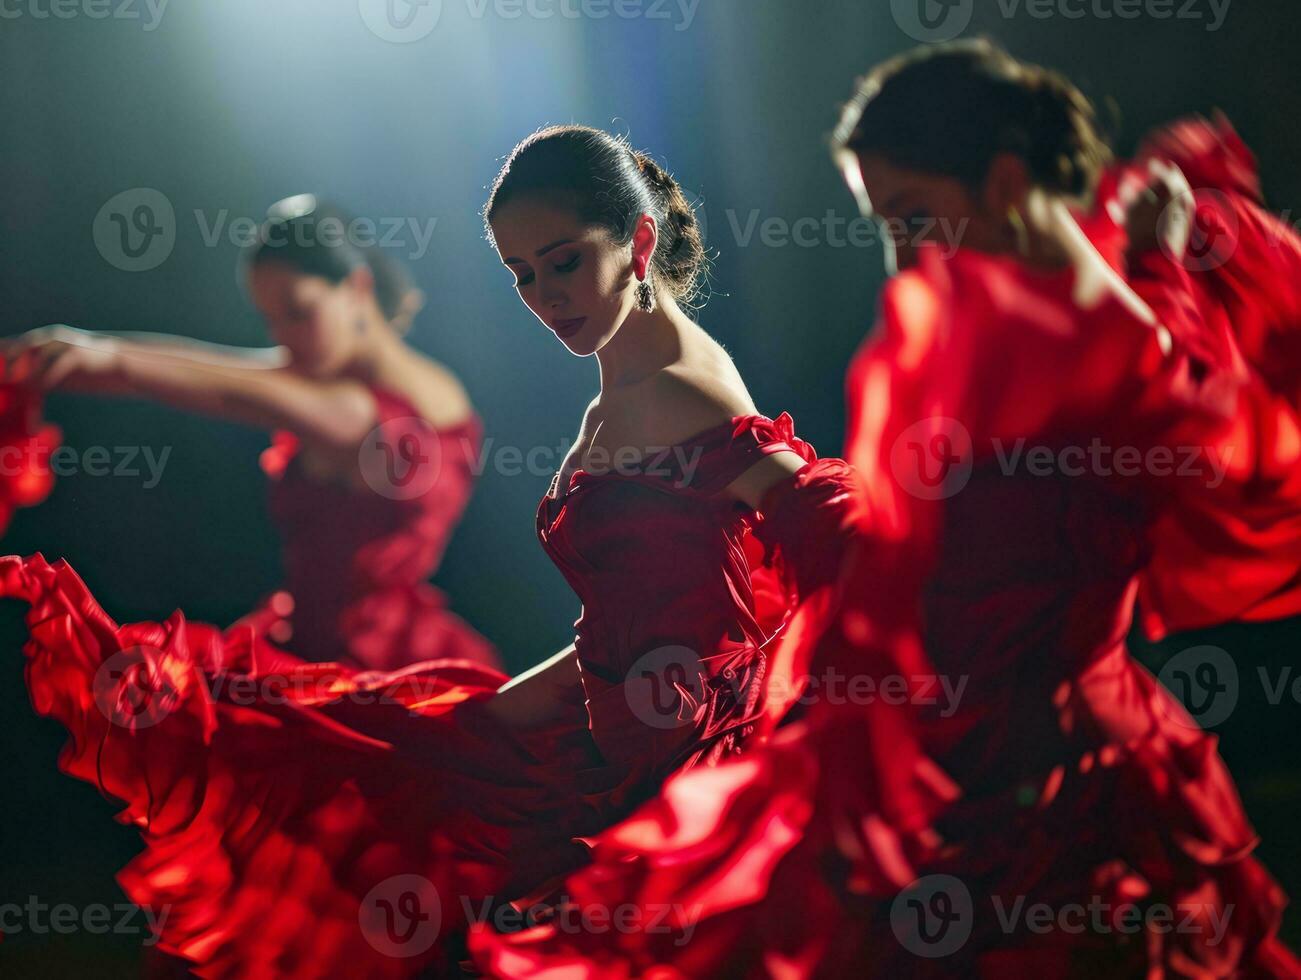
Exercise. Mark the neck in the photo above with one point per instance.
(643, 344)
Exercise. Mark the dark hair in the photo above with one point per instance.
(312, 237)
(608, 183)
(949, 109)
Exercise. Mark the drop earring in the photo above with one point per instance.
(645, 296)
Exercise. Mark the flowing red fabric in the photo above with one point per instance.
(298, 816)
(26, 444)
(993, 555)
(356, 589)
(1231, 550)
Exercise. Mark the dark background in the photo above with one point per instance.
(231, 105)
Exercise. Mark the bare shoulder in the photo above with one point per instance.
(681, 401)
(435, 392)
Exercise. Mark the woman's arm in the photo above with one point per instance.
(335, 413)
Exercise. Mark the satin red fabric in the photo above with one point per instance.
(297, 816)
(986, 545)
(356, 589)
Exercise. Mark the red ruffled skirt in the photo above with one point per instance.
(296, 816)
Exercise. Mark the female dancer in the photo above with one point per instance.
(1064, 816)
(353, 410)
(296, 818)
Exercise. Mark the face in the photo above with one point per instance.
(913, 208)
(573, 276)
(315, 319)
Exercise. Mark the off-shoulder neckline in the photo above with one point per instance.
(704, 436)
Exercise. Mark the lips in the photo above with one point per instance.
(567, 328)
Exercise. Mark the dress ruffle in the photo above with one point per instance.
(1063, 776)
(274, 831)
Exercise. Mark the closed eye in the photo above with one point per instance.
(569, 266)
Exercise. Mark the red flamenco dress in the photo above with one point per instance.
(1009, 793)
(302, 819)
(357, 558)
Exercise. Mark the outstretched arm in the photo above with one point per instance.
(225, 384)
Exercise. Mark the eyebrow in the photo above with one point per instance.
(542, 251)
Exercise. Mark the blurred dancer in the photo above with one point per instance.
(362, 425)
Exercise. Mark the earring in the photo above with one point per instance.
(645, 296)
(1019, 231)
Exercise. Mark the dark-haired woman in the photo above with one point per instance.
(1064, 815)
(296, 821)
(362, 424)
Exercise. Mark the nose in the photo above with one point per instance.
(552, 296)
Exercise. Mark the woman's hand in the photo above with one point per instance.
(1159, 213)
(59, 356)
